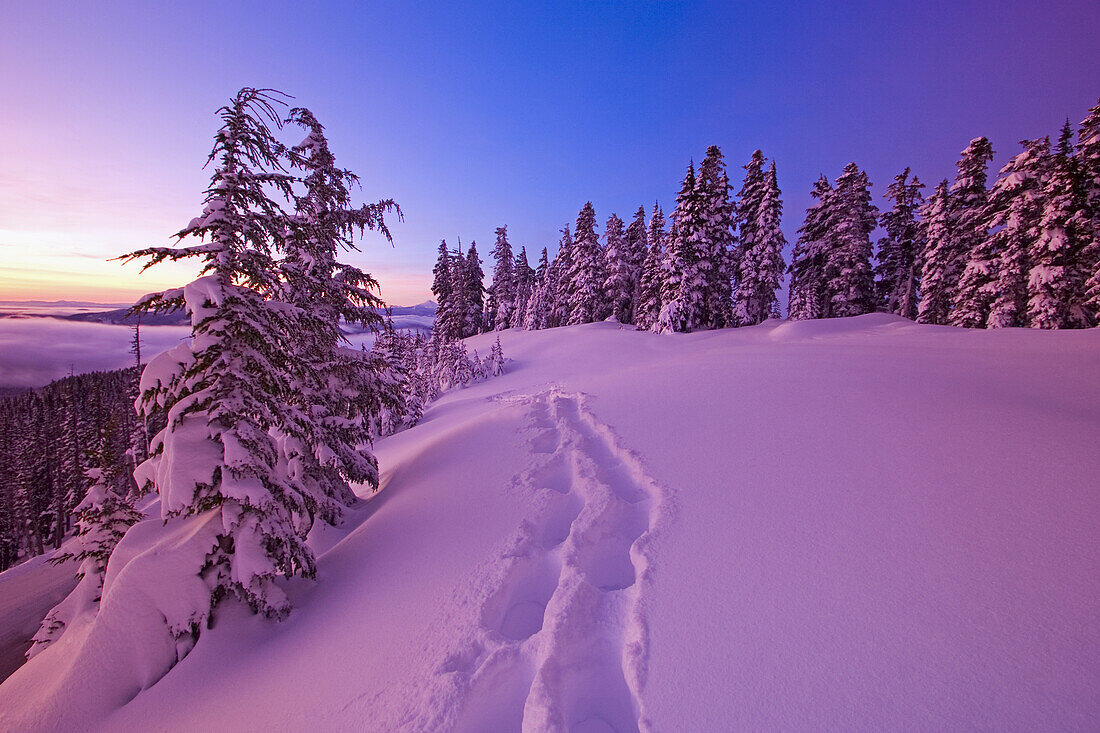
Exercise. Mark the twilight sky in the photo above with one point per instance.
(476, 115)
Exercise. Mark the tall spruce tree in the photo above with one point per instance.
(940, 258)
(717, 239)
(225, 389)
(972, 297)
(524, 283)
(807, 296)
(649, 283)
(1057, 278)
(760, 265)
(502, 294)
(586, 274)
(635, 249)
(474, 284)
(441, 282)
(540, 303)
(848, 277)
(559, 289)
(966, 228)
(899, 251)
(338, 390)
(1015, 209)
(684, 279)
(1088, 161)
(621, 276)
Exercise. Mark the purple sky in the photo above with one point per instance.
(503, 113)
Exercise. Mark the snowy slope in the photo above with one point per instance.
(859, 524)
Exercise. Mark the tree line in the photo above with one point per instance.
(1022, 252)
(49, 439)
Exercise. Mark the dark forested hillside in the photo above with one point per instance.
(46, 437)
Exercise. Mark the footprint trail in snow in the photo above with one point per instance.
(563, 646)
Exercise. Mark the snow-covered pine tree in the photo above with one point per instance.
(621, 277)
(684, 283)
(453, 320)
(225, 389)
(748, 202)
(807, 297)
(524, 282)
(138, 449)
(496, 359)
(716, 239)
(586, 274)
(635, 248)
(649, 283)
(973, 294)
(559, 291)
(502, 293)
(967, 224)
(1015, 208)
(103, 517)
(761, 257)
(848, 277)
(474, 279)
(898, 269)
(939, 263)
(1056, 281)
(540, 303)
(441, 283)
(463, 369)
(340, 391)
(1088, 163)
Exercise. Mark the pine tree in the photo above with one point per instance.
(972, 296)
(649, 284)
(684, 280)
(898, 270)
(621, 276)
(1088, 162)
(454, 307)
(138, 450)
(540, 303)
(963, 229)
(808, 297)
(748, 201)
(441, 281)
(853, 217)
(502, 294)
(524, 282)
(586, 274)
(717, 239)
(339, 391)
(940, 261)
(1016, 206)
(225, 389)
(496, 359)
(1056, 281)
(634, 250)
(559, 290)
(474, 279)
(761, 258)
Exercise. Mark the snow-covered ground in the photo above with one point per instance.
(858, 524)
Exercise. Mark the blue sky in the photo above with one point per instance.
(477, 115)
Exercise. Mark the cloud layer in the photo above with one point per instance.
(35, 351)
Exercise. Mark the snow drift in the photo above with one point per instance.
(857, 524)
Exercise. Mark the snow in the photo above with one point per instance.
(855, 524)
